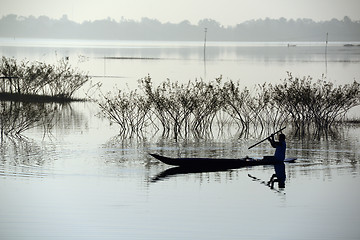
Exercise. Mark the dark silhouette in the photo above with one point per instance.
(255, 179)
(279, 156)
(279, 176)
(201, 165)
(280, 147)
(174, 171)
(223, 163)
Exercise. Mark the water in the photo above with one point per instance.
(81, 181)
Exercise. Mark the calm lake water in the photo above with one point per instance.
(82, 181)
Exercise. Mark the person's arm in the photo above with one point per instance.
(272, 141)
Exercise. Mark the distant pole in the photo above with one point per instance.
(205, 54)
(327, 38)
(205, 45)
(326, 44)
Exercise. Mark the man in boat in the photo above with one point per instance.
(279, 157)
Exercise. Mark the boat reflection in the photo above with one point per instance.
(187, 170)
(278, 177)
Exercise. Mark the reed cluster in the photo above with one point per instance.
(37, 78)
(197, 106)
(129, 110)
(315, 103)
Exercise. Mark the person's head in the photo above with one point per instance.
(282, 137)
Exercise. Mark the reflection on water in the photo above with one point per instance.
(269, 184)
(22, 152)
(174, 171)
(227, 173)
(266, 51)
(17, 117)
(279, 176)
(21, 157)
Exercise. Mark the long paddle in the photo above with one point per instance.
(266, 138)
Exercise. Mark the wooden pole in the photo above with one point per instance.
(205, 45)
(266, 138)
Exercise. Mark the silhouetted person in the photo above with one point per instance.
(279, 157)
(280, 147)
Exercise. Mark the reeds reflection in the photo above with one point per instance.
(17, 117)
(22, 152)
(24, 158)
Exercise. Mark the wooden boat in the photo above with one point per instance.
(218, 163)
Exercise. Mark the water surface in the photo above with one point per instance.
(82, 181)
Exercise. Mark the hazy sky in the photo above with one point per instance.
(227, 12)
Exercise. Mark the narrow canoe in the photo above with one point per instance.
(225, 163)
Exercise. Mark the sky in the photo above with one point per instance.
(226, 12)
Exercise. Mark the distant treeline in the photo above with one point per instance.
(13, 26)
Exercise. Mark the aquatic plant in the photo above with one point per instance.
(317, 103)
(128, 110)
(235, 103)
(252, 108)
(37, 78)
(195, 107)
(184, 108)
(207, 100)
(172, 103)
